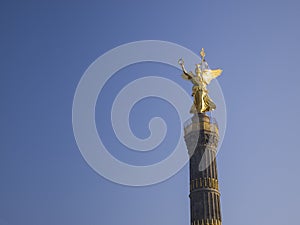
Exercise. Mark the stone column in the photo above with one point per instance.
(201, 137)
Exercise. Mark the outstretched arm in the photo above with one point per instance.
(187, 75)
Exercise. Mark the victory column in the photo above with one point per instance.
(201, 136)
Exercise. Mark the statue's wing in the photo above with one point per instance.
(208, 75)
(187, 76)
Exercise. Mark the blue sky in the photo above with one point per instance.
(47, 45)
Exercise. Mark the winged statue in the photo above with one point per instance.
(202, 77)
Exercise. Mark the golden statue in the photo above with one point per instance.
(202, 102)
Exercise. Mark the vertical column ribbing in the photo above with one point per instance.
(201, 137)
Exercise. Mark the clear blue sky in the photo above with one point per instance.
(47, 45)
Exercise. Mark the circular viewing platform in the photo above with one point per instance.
(201, 122)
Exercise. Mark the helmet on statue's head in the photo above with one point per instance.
(198, 69)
